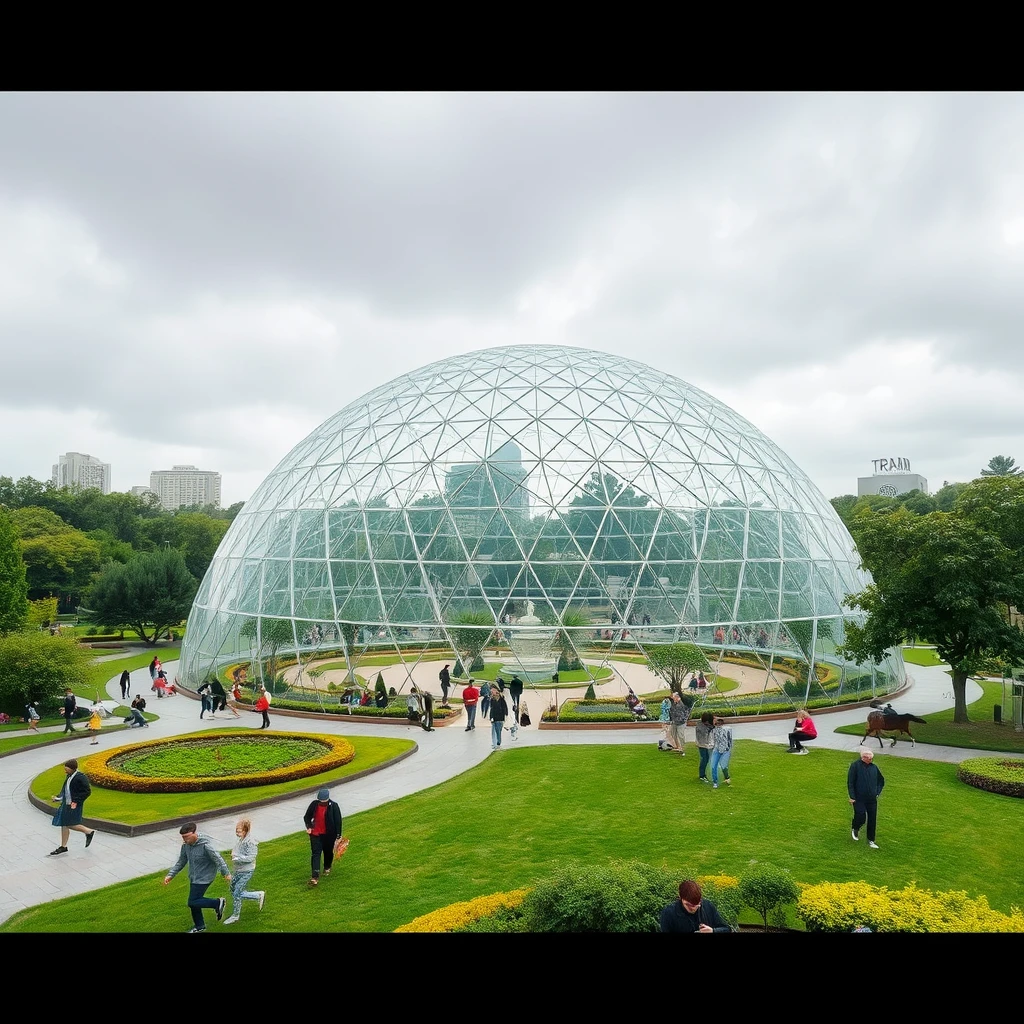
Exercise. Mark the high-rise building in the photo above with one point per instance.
(185, 485)
(75, 469)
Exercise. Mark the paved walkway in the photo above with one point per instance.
(29, 876)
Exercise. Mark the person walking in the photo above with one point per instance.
(154, 667)
(470, 698)
(126, 684)
(206, 696)
(243, 861)
(499, 712)
(75, 791)
(663, 718)
(515, 689)
(721, 751)
(32, 716)
(864, 784)
(323, 825)
(204, 863)
(678, 715)
(70, 707)
(804, 731)
(262, 705)
(446, 681)
(485, 700)
(702, 734)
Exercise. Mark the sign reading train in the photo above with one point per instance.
(891, 465)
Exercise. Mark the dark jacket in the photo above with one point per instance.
(674, 918)
(80, 788)
(499, 709)
(70, 706)
(332, 820)
(445, 676)
(516, 687)
(864, 781)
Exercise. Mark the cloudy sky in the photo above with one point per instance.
(205, 278)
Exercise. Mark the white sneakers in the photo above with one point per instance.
(232, 919)
(873, 845)
(856, 838)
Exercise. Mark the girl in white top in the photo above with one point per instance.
(243, 860)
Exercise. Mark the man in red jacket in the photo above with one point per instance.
(470, 699)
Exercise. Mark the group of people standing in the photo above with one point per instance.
(712, 736)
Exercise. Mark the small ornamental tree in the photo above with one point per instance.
(470, 634)
(673, 662)
(767, 890)
(37, 666)
(149, 594)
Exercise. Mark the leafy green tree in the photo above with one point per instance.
(1002, 465)
(13, 579)
(59, 558)
(350, 634)
(673, 662)
(470, 633)
(42, 612)
(946, 495)
(941, 577)
(272, 635)
(767, 890)
(37, 666)
(153, 592)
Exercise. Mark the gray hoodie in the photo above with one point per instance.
(203, 861)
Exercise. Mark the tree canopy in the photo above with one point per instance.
(13, 580)
(151, 593)
(35, 666)
(1002, 465)
(946, 577)
(674, 661)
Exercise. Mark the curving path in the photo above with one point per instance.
(29, 876)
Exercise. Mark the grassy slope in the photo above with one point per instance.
(457, 841)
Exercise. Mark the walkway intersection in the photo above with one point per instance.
(29, 876)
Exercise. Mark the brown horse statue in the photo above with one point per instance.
(880, 721)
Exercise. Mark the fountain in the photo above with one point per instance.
(531, 642)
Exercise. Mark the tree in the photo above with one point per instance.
(941, 577)
(153, 592)
(272, 634)
(58, 558)
(350, 634)
(42, 612)
(13, 579)
(37, 666)
(673, 662)
(470, 634)
(1002, 465)
(767, 890)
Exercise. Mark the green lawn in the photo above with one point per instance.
(142, 808)
(981, 732)
(100, 673)
(921, 656)
(456, 841)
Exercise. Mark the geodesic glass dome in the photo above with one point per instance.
(564, 504)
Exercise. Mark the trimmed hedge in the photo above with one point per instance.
(1001, 775)
(457, 915)
(337, 752)
(843, 906)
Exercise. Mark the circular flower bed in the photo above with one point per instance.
(1002, 775)
(216, 761)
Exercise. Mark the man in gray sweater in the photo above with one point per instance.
(204, 862)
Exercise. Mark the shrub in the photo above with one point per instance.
(724, 892)
(379, 688)
(478, 664)
(590, 695)
(623, 896)
(458, 671)
(458, 916)
(843, 906)
(767, 890)
(1002, 775)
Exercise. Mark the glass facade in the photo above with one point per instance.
(545, 491)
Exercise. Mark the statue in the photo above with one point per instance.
(529, 610)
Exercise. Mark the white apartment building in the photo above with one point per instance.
(185, 485)
(76, 469)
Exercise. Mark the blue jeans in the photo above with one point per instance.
(496, 728)
(485, 704)
(720, 761)
(198, 901)
(239, 881)
(702, 768)
(470, 716)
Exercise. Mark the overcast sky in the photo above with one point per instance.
(205, 278)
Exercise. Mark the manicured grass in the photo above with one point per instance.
(14, 743)
(455, 841)
(921, 656)
(142, 808)
(981, 733)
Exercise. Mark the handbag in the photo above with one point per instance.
(340, 845)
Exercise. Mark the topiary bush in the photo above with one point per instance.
(622, 896)
(590, 695)
(767, 890)
(1003, 775)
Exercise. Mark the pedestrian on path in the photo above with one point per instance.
(864, 783)
(499, 712)
(263, 707)
(446, 681)
(126, 684)
(204, 862)
(95, 724)
(32, 716)
(70, 707)
(72, 797)
(243, 861)
(323, 825)
(470, 698)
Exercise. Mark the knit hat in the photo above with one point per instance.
(324, 794)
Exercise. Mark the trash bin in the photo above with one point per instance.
(997, 713)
